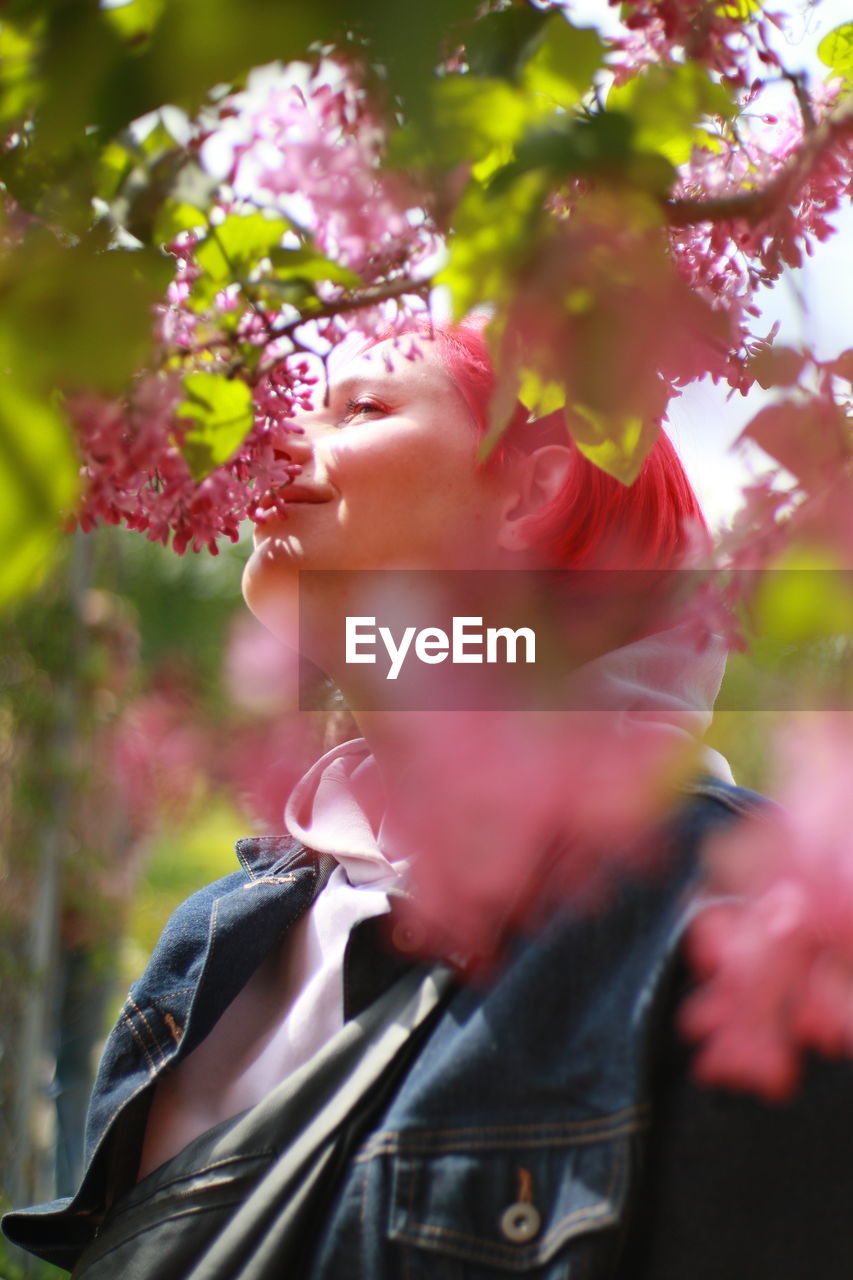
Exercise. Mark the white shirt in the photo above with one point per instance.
(293, 1004)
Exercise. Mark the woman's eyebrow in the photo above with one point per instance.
(347, 388)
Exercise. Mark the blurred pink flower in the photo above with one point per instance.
(774, 955)
(520, 814)
(261, 673)
(160, 754)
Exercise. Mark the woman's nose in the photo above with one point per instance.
(293, 442)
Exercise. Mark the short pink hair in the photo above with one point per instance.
(595, 521)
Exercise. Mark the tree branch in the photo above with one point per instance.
(755, 206)
(354, 302)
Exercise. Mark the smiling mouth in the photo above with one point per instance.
(297, 493)
(301, 493)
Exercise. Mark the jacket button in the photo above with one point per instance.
(408, 937)
(520, 1222)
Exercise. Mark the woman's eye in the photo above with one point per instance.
(355, 409)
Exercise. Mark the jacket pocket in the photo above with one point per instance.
(509, 1200)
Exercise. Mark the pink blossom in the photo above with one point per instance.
(261, 674)
(304, 140)
(160, 753)
(135, 473)
(775, 954)
(261, 761)
(728, 260)
(714, 34)
(536, 811)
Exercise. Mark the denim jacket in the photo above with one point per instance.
(548, 1124)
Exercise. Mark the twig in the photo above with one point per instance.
(354, 302)
(755, 206)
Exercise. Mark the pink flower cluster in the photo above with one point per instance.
(159, 750)
(708, 32)
(536, 812)
(135, 473)
(727, 259)
(773, 947)
(304, 141)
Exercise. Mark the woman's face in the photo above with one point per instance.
(388, 481)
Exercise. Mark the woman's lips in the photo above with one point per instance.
(297, 492)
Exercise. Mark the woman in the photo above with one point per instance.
(307, 1081)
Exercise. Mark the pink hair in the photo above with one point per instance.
(595, 521)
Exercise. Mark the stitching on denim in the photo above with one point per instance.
(602, 1212)
(362, 1209)
(117, 1110)
(473, 1138)
(214, 925)
(177, 1032)
(155, 1043)
(288, 879)
(134, 1031)
(243, 862)
(532, 1144)
(479, 1249)
(296, 848)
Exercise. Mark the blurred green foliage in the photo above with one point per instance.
(77, 300)
(81, 260)
(836, 51)
(183, 856)
(16, 1266)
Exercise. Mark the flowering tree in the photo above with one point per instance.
(618, 200)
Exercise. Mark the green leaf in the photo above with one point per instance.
(175, 216)
(38, 485)
(135, 20)
(836, 51)
(306, 263)
(666, 106)
(563, 66)
(563, 147)
(114, 165)
(499, 44)
(493, 236)
(79, 316)
(540, 396)
(221, 410)
(618, 445)
(234, 248)
(20, 87)
(76, 36)
(408, 40)
(804, 600)
(777, 367)
(516, 382)
(742, 10)
(469, 120)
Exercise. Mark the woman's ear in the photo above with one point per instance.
(535, 480)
